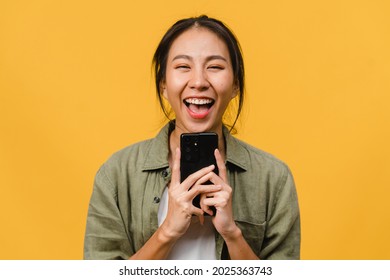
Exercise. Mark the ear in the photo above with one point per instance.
(236, 90)
(163, 89)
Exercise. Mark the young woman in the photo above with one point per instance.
(140, 210)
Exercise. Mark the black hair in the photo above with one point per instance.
(215, 26)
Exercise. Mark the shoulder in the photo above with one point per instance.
(131, 152)
(255, 159)
(126, 160)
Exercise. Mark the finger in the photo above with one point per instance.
(210, 177)
(221, 165)
(176, 168)
(203, 206)
(201, 219)
(194, 177)
(207, 210)
(197, 211)
(202, 189)
(208, 195)
(217, 202)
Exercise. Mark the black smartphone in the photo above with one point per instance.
(197, 151)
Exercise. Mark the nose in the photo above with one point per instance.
(199, 80)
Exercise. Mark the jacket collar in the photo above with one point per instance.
(157, 153)
(236, 153)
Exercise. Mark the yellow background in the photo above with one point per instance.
(76, 86)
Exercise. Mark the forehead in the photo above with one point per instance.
(198, 41)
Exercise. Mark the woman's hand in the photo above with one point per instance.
(180, 207)
(180, 211)
(223, 220)
(221, 200)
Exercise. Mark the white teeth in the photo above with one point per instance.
(197, 101)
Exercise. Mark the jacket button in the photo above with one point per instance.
(156, 199)
(165, 173)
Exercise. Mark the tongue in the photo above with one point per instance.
(198, 109)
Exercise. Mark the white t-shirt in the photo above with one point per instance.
(198, 243)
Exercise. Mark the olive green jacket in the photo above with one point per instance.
(122, 213)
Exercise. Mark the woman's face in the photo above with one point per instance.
(199, 82)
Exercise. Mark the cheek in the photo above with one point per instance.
(228, 91)
(225, 83)
(174, 90)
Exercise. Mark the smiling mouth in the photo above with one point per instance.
(195, 104)
(199, 107)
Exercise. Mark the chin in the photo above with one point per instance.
(196, 126)
(203, 127)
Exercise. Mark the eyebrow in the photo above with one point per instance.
(211, 57)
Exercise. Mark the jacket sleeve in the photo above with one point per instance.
(283, 235)
(105, 236)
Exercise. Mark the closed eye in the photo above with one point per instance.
(216, 67)
(182, 67)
